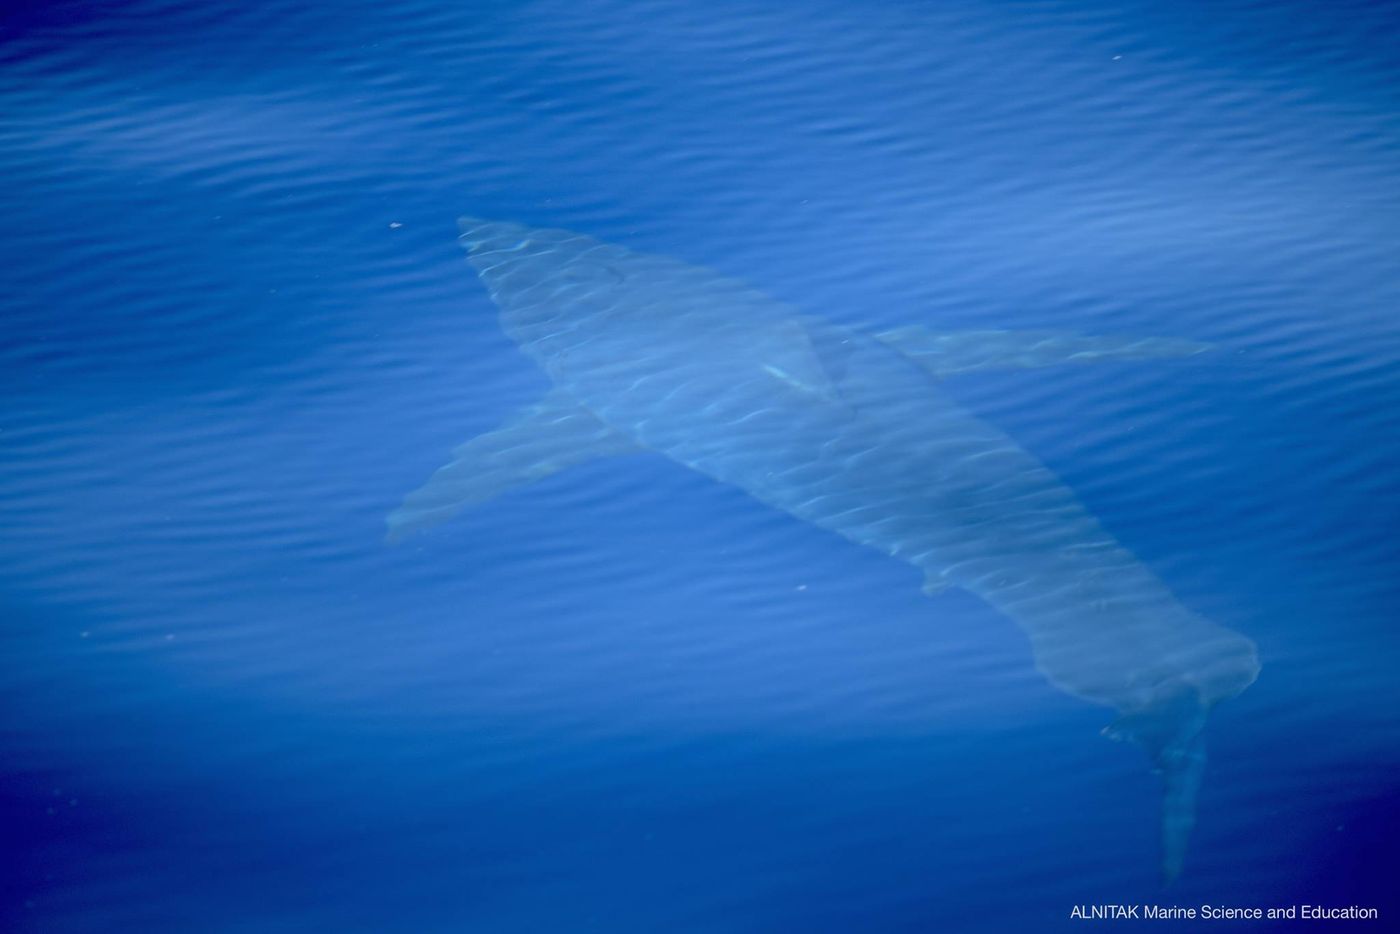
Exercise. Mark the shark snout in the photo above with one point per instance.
(479, 236)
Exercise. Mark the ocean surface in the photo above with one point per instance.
(238, 330)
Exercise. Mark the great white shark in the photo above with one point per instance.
(851, 432)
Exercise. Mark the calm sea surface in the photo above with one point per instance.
(238, 329)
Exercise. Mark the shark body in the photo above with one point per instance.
(851, 432)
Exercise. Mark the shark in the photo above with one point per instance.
(852, 432)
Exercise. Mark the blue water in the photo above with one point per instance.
(627, 699)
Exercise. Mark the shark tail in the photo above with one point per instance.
(1171, 731)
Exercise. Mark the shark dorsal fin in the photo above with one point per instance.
(784, 349)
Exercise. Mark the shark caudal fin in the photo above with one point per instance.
(946, 354)
(1170, 731)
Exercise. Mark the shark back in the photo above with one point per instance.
(846, 432)
(853, 433)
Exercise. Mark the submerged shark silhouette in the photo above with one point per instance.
(850, 432)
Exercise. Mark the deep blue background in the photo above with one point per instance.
(237, 330)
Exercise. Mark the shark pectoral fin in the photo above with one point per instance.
(539, 441)
(1170, 730)
(966, 351)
